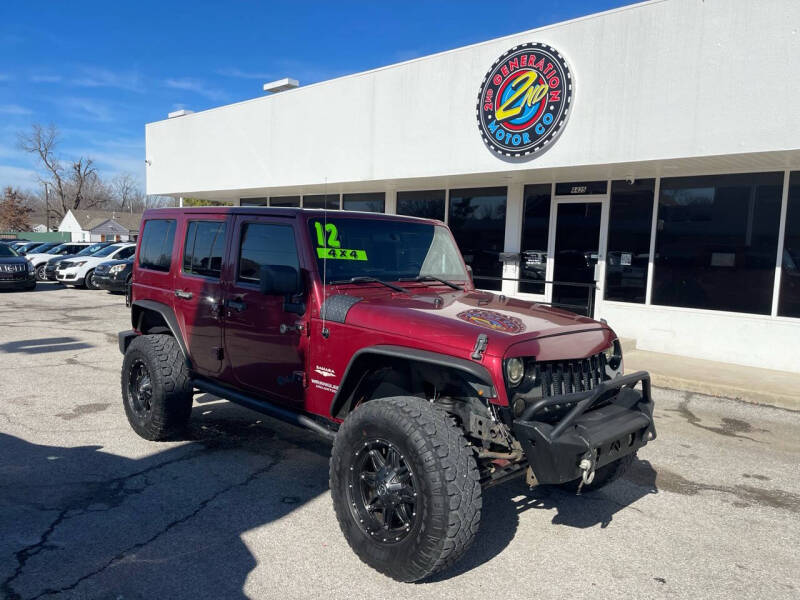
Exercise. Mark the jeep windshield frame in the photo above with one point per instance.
(347, 248)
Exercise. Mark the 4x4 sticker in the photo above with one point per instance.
(331, 247)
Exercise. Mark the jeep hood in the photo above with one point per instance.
(456, 319)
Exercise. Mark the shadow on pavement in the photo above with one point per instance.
(503, 504)
(86, 523)
(44, 345)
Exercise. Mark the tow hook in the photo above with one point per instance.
(587, 465)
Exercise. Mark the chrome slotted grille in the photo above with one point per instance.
(570, 376)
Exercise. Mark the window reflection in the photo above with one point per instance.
(535, 228)
(428, 204)
(717, 241)
(630, 221)
(789, 302)
(329, 201)
(477, 218)
(371, 202)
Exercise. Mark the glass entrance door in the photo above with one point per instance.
(577, 252)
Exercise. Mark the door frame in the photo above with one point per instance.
(555, 201)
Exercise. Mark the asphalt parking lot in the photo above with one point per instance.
(241, 509)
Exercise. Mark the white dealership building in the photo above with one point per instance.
(650, 154)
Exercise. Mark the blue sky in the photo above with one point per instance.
(101, 70)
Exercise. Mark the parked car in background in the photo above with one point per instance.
(114, 275)
(52, 264)
(26, 248)
(16, 273)
(39, 259)
(80, 271)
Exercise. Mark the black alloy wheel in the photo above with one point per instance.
(140, 388)
(382, 491)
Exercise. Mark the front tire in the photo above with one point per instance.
(156, 389)
(40, 273)
(405, 487)
(88, 281)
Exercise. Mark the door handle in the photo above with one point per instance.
(184, 295)
(236, 305)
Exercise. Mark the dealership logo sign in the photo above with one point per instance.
(524, 100)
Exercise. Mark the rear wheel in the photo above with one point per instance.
(405, 487)
(156, 389)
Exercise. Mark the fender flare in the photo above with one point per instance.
(167, 314)
(348, 384)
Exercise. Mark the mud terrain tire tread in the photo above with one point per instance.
(171, 403)
(448, 477)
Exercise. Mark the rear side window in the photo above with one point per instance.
(204, 247)
(125, 253)
(265, 244)
(156, 249)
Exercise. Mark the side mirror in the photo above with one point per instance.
(280, 280)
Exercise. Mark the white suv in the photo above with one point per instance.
(80, 271)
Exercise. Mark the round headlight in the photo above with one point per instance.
(613, 355)
(515, 370)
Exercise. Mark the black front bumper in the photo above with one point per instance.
(17, 281)
(107, 282)
(606, 423)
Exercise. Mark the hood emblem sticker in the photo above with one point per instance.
(492, 320)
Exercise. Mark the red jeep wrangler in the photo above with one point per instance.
(368, 330)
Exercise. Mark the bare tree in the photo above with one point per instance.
(127, 193)
(73, 187)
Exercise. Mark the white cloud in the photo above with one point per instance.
(44, 78)
(14, 109)
(197, 86)
(97, 77)
(88, 109)
(239, 74)
(18, 177)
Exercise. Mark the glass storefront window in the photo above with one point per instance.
(372, 202)
(477, 218)
(716, 242)
(291, 201)
(428, 204)
(789, 300)
(629, 224)
(252, 201)
(329, 201)
(535, 229)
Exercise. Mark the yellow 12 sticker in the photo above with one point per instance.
(331, 248)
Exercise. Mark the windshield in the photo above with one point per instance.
(41, 248)
(89, 250)
(107, 250)
(7, 251)
(387, 250)
(61, 248)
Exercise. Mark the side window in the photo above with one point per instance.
(265, 244)
(125, 253)
(203, 249)
(156, 247)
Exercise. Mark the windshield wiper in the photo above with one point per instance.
(365, 279)
(421, 278)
